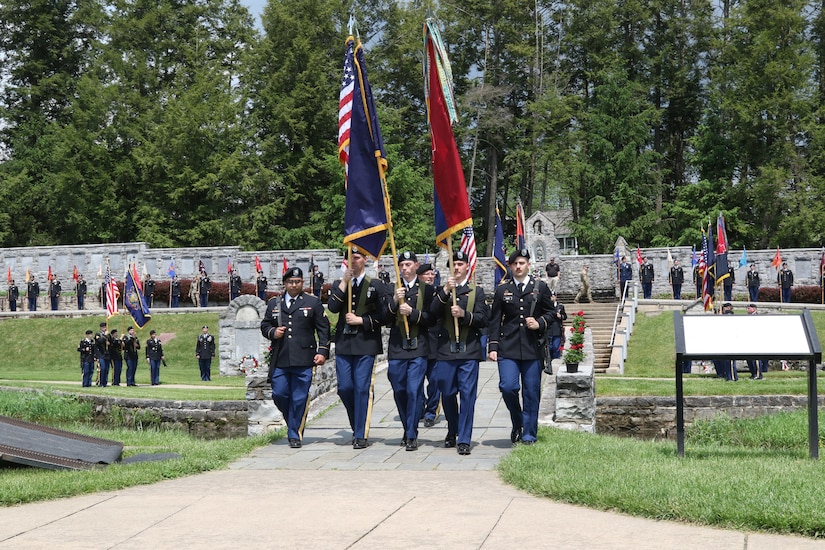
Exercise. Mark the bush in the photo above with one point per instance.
(806, 294)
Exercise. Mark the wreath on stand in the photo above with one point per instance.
(248, 365)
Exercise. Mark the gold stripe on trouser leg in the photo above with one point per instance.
(369, 403)
(306, 409)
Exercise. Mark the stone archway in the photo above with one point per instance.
(240, 334)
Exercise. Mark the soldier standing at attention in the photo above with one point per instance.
(87, 358)
(205, 352)
(148, 290)
(131, 345)
(203, 289)
(522, 310)
(646, 277)
(785, 280)
(260, 286)
(625, 275)
(235, 284)
(459, 352)
(677, 277)
(408, 313)
(154, 355)
(359, 302)
(80, 288)
(54, 292)
(317, 281)
(175, 290)
(752, 280)
(14, 295)
(32, 293)
(298, 329)
(102, 355)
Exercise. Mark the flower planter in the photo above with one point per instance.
(572, 367)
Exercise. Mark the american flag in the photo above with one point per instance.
(345, 107)
(703, 259)
(112, 293)
(468, 246)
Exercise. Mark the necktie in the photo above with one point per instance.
(288, 302)
(521, 287)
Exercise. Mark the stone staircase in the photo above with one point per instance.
(599, 316)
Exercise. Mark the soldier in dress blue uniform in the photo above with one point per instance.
(357, 341)
(32, 293)
(14, 295)
(522, 311)
(102, 354)
(148, 290)
(432, 395)
(555, 330)
(677, 277)
(203, 289)
(80, 289)
(260, 286)
(459, 353)
(55, 288)
(292, 323)
(175, 290)
(154, 356)
(116, 356)
(646, 277)
(235, 284)
(408, 315)
(204, 352)
(87, 358)
(131, 345)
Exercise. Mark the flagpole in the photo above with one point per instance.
(450, 263)
(391, 233)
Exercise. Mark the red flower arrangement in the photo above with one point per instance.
(575, 340)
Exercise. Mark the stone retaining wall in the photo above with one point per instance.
(655, 417)
(204, 419)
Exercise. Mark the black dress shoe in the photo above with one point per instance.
(403, 441)
(429, 422)
(449, 441)
(412, 444)
(294, 443)
(515, 435)
(360, 443)
(528, 442)
(463, 449)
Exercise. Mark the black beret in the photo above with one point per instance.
(523, 253)
(293, 273)
(423, 268)
(407, 256)
(459, 256)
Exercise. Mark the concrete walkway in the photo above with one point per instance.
(327, 495)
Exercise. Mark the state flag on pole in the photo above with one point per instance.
(361, 153)
(777, 259)
(521, 241)
(133, 299)
(722, 269)
(258, 267)
(499, 253)
(171, 271)
(75, 275)
(8, 274)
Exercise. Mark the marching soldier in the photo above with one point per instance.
(357, 341)
(32, 293)
(131, 345)
(260, 286)
(432, 395)
(102, 354)
(677, 278)
(80, 289)
(154, 356)
(235, 284)
(205, 352)
(298, 329)
(522, 311)
(87, 359)
(14, 295)
(408, 313)
(148, 290)
(459, 352)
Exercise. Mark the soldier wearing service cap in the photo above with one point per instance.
(408, 313)
(459, 351)
(298, 328)
(522, 312)
(358, 301)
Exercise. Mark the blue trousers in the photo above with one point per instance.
(81, 300)
(647, 290)
(786, 295)
(131, 369)
(432, 395)
(757, 368)
(677, 292)
(458, 378)
(54, 302)
(205, 366)
(204, 299)
(290, 392)
(175, 301)
(117, 367)
(528, 372)
(727, 291)
(104, 372)
(406, 377)
(32, 303)
(355, 385)
(753, 293)
(154, 371)
(87, 369)
(554, 343)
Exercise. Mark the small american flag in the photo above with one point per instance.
(112, 293)
(345, 107)
(468, 246)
